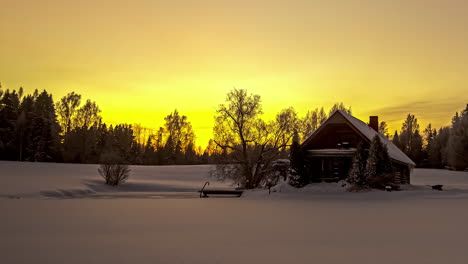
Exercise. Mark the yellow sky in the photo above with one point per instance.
(141, 59)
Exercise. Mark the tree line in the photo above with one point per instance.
(35, 128)
(446, 147)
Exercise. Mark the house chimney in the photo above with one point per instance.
(374, 123)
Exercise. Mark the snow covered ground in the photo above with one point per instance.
(62, 213)
(42, 180)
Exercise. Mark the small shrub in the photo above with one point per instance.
(379, 182)
(114, 174)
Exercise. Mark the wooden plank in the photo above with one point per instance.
(205, 193)
(221, 192)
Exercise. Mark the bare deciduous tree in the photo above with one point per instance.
(340, 106)
(141, 134)
(88, 115)
(66, 110)
(250, 143)
(310, 123)
(383, 129)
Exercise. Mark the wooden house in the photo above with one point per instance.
(330, 149)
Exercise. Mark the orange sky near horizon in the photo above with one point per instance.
(139, 60)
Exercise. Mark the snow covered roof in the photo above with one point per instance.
(394, 152)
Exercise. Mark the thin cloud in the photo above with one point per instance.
(440, 109)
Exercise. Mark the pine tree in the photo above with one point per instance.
(396, 140)
(432, 149)
(24, 127)
(357, 173)
(409, 127)
(378, 167)
(45, 145)
(149, 152)
(371, 165)
(429, 134)
(416, 153)
(442, 142)
(298, 176)
(410, 139)
(9, 104)
(458, 141)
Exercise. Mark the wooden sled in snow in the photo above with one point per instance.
(205, 193)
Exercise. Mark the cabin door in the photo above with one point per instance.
(335, 167)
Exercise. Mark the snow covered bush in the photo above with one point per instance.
(281, 168)
(112, 169)
(114, 174)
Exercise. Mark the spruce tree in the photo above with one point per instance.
(396, 140)
(45, 145)
(458, 141)
(442, 142)
(24, 127)
(357, 174)
(433, 147)
(298, 176)
(416, 153)
(378, 167)
(371, 164)
(9, 104)
(410, 139)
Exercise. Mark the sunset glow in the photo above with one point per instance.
(140, 60)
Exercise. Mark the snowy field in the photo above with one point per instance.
(62, 213)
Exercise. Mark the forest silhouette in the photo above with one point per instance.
(35, 128)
